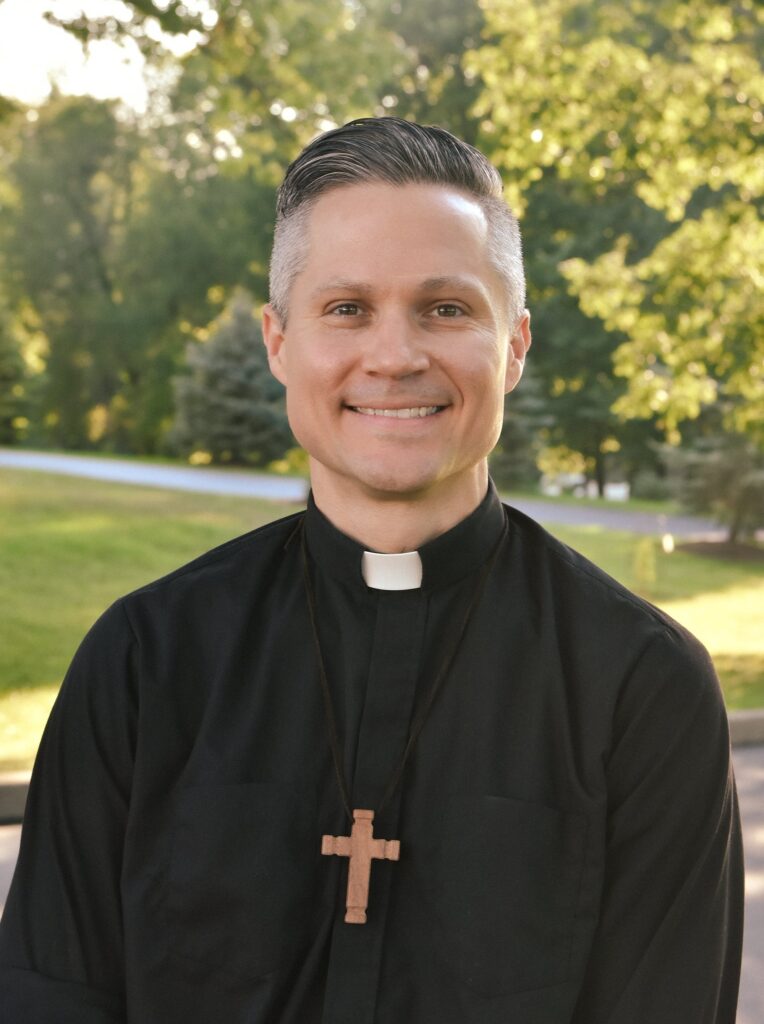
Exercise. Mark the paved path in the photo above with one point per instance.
(153, 474)
(614, 518)
(749, 766)
(259, 485)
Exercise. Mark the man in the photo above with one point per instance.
(403, 758)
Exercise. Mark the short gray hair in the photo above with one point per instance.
(398, 152)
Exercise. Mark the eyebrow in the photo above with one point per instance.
(429, 284)
(436, 284)
(342, 284)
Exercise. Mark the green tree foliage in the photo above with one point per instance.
(327, 61)
(272, 74)
(573, 353)
(70, 184)
(433, 86)
(692, 312)
(120, 253)
(8, 109)
(658, 105)
(191, 237)
(626, 135)
(144, 22)
(229, 405)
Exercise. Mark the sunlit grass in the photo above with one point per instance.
(69, 547)
(23, 714)
(641, 564)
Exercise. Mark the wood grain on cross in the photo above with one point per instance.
(361, 847)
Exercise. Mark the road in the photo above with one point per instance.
(153, 474)
(749, 768)
(284, 488)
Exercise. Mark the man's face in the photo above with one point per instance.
(397, 352)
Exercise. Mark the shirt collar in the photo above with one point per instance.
(392, 572)
(446, 559)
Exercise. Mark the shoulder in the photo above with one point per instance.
(230, 558)
(203, 591)
(584, 588)
(620, 644)
(647, 680)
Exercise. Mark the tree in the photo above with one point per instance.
(69, 188)
(12, 366)
(229, 405)
(144, 19)
(626, 136)
(118, 254)
(264, 77)
(269, 75)
(692, 313)
(724, 475)
(12, 379)
(658, 103)
(192, 237)
(433, 85)
(513, 460)
(572, 354)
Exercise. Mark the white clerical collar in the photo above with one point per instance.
(392, 572)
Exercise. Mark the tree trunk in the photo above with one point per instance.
(735, 523)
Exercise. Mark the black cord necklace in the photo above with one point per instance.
(361, 847)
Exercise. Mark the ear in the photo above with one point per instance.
(273, 338)
(519, 344)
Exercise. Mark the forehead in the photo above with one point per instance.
(379, 232)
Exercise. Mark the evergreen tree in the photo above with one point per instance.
(722, 474)
(229, 404)
(526, 417)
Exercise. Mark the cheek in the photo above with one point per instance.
(481, 379)
(321, 367)
(484, 392)
(311, 398)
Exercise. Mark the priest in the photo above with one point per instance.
(402, 758)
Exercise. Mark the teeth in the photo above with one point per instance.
(400, 414)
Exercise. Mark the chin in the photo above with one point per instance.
(394, 482)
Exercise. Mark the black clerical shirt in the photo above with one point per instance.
(570, 845)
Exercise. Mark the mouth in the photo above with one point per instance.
(408, 413)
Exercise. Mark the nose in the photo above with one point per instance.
(393, 347)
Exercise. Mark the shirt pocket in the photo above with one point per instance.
(505, 892)
(242, 876)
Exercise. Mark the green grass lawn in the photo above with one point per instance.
(69, 547)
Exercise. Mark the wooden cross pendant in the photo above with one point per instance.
(361, 847)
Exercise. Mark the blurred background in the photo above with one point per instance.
(141, 144)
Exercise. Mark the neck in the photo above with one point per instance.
(391, 523)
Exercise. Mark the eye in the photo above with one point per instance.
(346, 309)
(448, 310)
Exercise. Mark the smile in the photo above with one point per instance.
(415, 412)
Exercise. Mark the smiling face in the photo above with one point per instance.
(397, 352)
